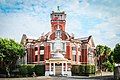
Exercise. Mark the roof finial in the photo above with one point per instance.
(58, 7)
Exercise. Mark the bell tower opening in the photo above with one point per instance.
(58, 19)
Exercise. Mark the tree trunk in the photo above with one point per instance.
(7, 70)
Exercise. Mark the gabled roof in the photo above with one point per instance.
(87, 39)
(76, 40)
(62, 32)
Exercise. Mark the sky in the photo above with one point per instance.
(99, 18)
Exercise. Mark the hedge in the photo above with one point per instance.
(83, 69)
(27, 70)
(39, 70)
(75, 69)
(30, 69)
(23, 70)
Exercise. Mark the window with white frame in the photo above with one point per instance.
(74, 57)
(52, 47)
(90, 56)
(58, 44)
(63, 46)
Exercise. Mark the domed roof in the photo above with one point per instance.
(58, 55)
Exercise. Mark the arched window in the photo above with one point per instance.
(58, 44)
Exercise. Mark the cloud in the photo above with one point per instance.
(106, 32)
(15, 25)
(99, 18)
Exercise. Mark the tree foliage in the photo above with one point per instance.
(105, 57)
(107, 51)
(99, 50)
(116, 55)
(10, 51)
(110, 57)
(103, 50)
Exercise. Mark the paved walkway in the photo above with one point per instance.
(62, 78)
(105, 76)
(29, 78)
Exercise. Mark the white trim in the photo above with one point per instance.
(42, 45)
(73, 52)
(50, 68)
(46, 73)
(66, 67)
(62, 69)
(41, 52)
(64, 46)
(54, 69)
(52, 41)
(68, 73)
(36, 52)
(64, 53)
(25, 58)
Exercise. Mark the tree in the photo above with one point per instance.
(110, 57)
(10, 51)
(104, 55)
(116, 55)
(107, 51)
(99, 50)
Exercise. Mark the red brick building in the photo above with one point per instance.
(57, 49)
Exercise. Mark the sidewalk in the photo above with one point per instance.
(29, 78)
(102, 74)
(63, 78)
(105, 74)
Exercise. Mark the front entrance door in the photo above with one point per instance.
(58, 69)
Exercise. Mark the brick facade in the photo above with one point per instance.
(75, 50)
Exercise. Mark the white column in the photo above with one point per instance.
(66, 67)
(50, 68)
(54, 69)
(25, 58)
(62, 69)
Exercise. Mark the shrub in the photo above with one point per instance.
(83, 69)
(23, 70)
(27, 70)
(39, 70)
(3, 71)
(93, 69)
(88, 69)
(109, 66)
(30, 69)
(75, 69)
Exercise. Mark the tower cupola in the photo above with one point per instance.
(58, 19)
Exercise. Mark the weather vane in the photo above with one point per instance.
(58, 7)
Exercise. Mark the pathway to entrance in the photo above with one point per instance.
(84, 78)
(63, 78)
(105, 76)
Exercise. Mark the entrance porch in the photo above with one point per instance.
(58, 67)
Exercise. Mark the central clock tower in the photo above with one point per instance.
(58, 20)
